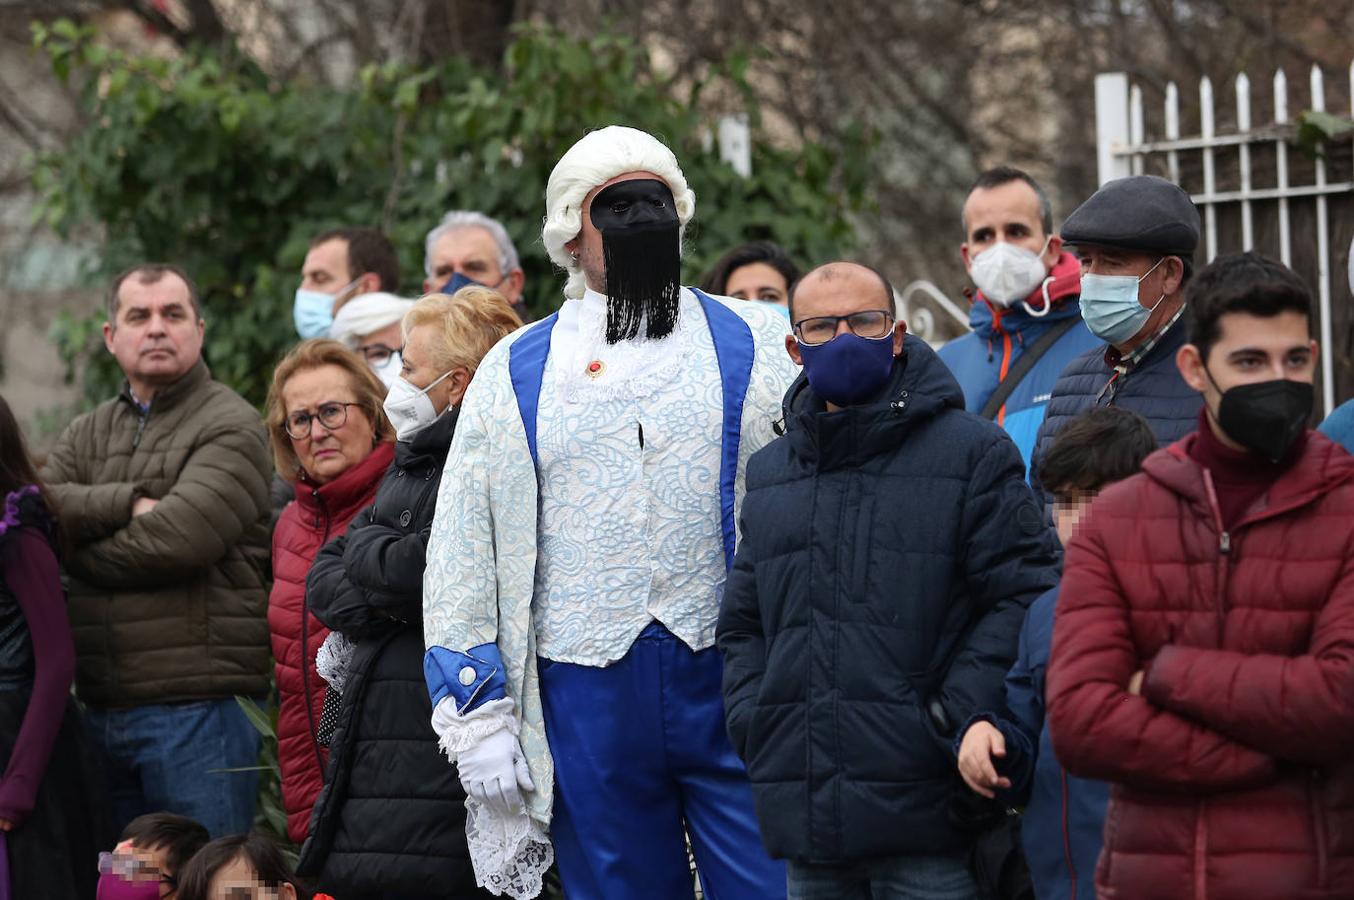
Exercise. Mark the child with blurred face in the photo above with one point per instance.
(146, 862)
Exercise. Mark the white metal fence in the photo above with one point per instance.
(1255, 189)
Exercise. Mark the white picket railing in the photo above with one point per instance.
(1123, 148)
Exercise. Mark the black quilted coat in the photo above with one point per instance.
(391, 819)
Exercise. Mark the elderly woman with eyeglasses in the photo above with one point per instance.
(330, 438)
(367, 837)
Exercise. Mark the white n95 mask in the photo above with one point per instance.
(409, 408)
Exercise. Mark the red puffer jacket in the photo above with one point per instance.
(316, 516)
(1234, 771)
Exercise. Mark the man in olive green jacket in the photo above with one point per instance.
(163, 493)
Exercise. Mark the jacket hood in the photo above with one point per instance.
(1064, 287)
(1322, 466)
(919, 388)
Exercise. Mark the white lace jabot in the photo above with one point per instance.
(628, 370)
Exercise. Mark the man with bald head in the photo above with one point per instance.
(582, 540)
(890, 547)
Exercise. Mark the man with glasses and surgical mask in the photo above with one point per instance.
(1026, 324)
(890, 547)
(1136, 238)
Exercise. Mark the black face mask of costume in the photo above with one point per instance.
(641, 246)
(1266, 417)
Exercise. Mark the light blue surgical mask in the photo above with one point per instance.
(313, 311)
(1110, 307)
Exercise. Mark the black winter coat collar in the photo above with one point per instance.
(919, 389)
(431, 443)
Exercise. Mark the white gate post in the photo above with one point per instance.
(735, 143)
(1111, 126)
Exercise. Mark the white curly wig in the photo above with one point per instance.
(596, 159)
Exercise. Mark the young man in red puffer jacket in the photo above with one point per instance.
(1203, 650)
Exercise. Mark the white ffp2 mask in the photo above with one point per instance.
(409, 408)
(1006, 273)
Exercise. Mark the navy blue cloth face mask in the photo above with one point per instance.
(848, 369)
(459, 280)
(642, 250)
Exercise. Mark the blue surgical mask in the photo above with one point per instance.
(313, 313)
(459, 280)
(848, 369)
(1110, 307)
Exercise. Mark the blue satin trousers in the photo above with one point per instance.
(642, 757)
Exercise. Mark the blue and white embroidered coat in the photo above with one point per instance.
(589, 490)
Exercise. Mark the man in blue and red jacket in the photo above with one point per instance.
(1027, 291)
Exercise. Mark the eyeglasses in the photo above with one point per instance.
(132, 868)
(377, 355)
(869, 323)
(332, 415)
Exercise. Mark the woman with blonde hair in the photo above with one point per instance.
(330, 438)
(391, 820)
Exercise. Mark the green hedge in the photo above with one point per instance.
(208, 161)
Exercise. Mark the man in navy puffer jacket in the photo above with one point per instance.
(890, 548)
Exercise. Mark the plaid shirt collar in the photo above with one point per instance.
(1121, 363)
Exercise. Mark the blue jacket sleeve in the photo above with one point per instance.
(1339, 426)
(1023, 719)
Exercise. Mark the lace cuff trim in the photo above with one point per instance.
(511, 855)
(457, 732)
(334, 658)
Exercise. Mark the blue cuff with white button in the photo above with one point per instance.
(472, 678)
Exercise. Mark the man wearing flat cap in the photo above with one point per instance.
(1136, 238)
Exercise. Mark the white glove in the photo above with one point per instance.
(494, 772)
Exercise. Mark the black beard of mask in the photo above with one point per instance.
(641, 247)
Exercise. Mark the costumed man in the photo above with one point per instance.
(584, 529)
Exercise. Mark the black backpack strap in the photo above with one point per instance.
(1022, 366)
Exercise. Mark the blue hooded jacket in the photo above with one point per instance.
(980, 360)
(1064, 820)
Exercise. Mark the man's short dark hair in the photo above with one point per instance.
(179, 836)
(768, 252)
(884, 282)
(1241, 283)
(368, 251)
(1097, 448)
(150, 273)
(1000, 175)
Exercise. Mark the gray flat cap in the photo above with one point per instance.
(1141, 212)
